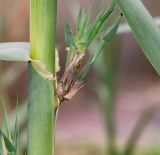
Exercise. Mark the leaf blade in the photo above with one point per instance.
(69, 38)
(15, 51)
(144, 29)
(100, 19)
(16, 132)
(6, 124)
(9, 146)
(86, 24)
(79, 23)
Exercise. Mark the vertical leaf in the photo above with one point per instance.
(6, 124)
(97, 25)
(79, 23)
(69, 38)
(86, 24)
(15, 134)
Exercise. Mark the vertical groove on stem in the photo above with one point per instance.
(41, 112)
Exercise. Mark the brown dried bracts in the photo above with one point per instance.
(67, 86)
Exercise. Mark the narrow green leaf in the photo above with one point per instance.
(99, 14)
(14, 51)
(79, 23)
(86, 25)
(69, 38)
(109, 35)
(97, 24)
(109, 11)
(15, 134)
(9, 146)
(144, 29)
(92, 28)
(6, 124)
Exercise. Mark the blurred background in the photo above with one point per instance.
(121, 90)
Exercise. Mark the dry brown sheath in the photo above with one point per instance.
(67, 82)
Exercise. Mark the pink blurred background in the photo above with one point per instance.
(80, 120)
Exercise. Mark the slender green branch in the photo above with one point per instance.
(41, 111)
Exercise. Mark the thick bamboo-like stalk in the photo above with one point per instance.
(41, 92)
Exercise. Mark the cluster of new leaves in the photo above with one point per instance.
(86, 33)
(9, 141)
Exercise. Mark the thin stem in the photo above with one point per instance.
(41, 105)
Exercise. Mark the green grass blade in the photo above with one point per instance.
(9, 146)
(15, 134)
(79, 23)
(97, 25)
(6, 124)
(86, 25)
(69, 38)
(144, 29)
(109, 11)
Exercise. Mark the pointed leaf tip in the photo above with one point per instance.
(98, 24)
(9, 146)
(69, 38)
(79, 23)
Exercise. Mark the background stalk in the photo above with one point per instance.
(41, 112)
(107, 92)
